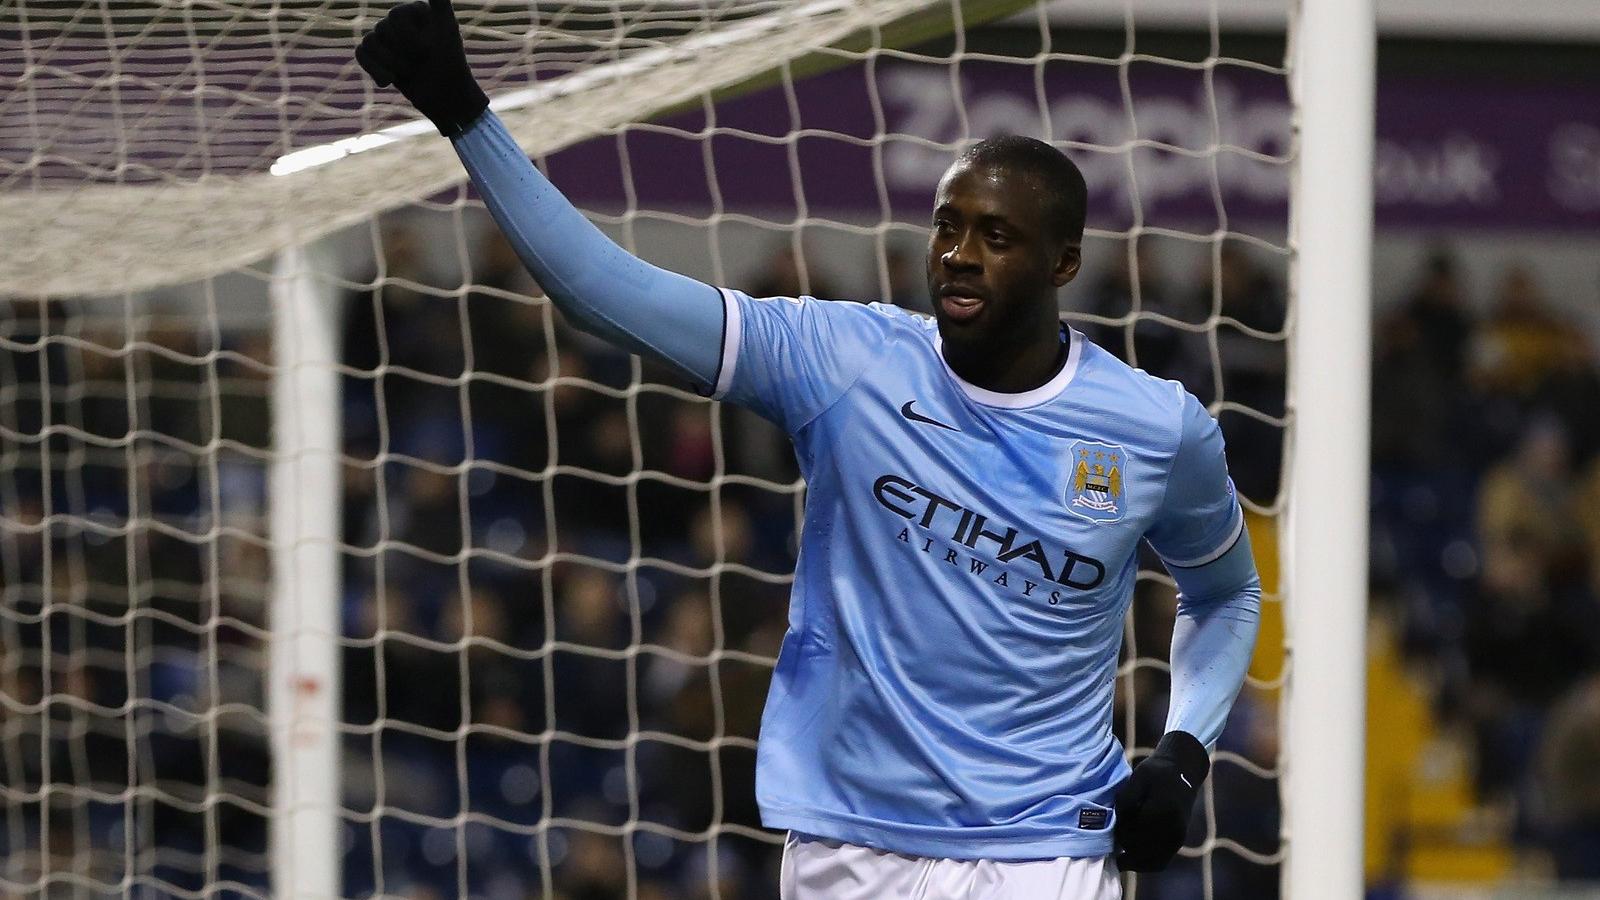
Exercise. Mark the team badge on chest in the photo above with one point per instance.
(1097, 490)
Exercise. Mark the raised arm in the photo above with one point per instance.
(598, 285)
(601, 287)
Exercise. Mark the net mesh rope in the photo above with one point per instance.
(564, 573)
(200, 100)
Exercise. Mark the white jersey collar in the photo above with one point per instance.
(1044, 393)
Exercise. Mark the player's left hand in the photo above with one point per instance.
(417, 47)
(1155, 803)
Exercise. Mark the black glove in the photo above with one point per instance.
(417, 48)
(1155, 803)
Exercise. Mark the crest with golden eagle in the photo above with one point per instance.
(1097, 490)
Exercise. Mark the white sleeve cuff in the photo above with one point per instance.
(731, 331)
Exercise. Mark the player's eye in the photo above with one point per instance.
(943, 226)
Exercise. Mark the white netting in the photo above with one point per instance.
(563, 574)
(198, 101)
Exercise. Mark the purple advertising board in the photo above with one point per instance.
(1159, 144)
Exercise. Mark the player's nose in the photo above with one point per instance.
(958, 257)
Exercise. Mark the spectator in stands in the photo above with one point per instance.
(790, 271)
(1527, 638)
(508, 338)
(402, 330)
(1588, 508)
(1254, 364)
(1523, 341)
(692, 451)
(1572, 394)
(1163, 349)
(687, 633)
(591, 688)
(1525, 360)
(1419, 356)
(1245, 292)
(498, 681)
(1532, 495)
(1570, 782)
(425, 523)
(594, 868)
(1435, 320)
(908, 283)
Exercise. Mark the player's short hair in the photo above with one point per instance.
(1066, 196)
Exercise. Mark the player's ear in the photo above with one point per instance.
(1067, 265)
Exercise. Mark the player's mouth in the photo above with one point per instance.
(960, 304)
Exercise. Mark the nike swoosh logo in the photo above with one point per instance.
(1186, 780)
(915, 416)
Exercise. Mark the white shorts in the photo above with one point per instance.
(817, 869)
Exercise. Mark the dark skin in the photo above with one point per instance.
(994, 266)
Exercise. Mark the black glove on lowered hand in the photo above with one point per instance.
(417, 48)
(1154, 804)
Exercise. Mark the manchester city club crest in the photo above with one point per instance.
(1097, 491)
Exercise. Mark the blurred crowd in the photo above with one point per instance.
(565, 575)
(617, 626)
(135, 577)
(1486, 540)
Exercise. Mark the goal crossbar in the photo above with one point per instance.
(141, 237)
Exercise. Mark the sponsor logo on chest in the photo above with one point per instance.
(959, 534)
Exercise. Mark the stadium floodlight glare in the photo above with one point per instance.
(322, 154)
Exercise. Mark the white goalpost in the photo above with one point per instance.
(303, 673)
(1333, 65)
(333, 563)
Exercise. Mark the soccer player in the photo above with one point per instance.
(939, 721)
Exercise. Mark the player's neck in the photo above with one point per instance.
(1010, 370)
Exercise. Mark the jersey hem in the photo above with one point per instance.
(960, 844)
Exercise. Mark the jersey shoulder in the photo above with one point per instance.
(872, 315)
(1151, 406)
(893, 323)
(847, 327)
(900, 318)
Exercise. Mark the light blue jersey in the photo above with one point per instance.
(945, 686)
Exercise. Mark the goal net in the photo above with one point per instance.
(334, 562)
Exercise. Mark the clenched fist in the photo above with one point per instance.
(1154, 804)
(417, 48)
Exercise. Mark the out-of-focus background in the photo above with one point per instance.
(564, 576)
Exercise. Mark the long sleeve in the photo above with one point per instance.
(1219, 611)
(598, 285)
(1201, 537)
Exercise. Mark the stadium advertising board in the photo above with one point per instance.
(1451, 152)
